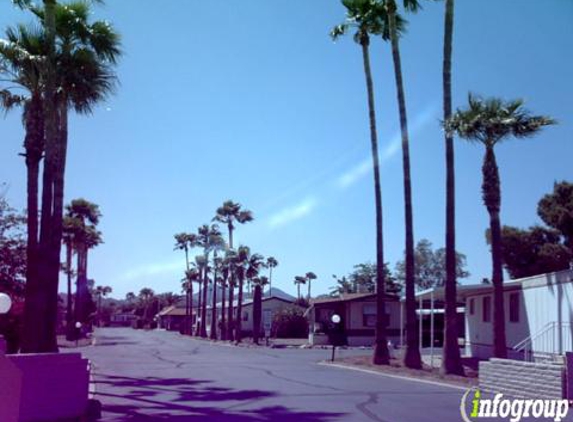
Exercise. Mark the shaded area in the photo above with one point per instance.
(183, 399)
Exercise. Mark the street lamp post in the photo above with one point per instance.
(5, 305)
(78, 332)
(335, 320)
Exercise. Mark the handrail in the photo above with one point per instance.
(521, 345)
(526, 345)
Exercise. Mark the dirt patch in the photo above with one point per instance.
(396, 367)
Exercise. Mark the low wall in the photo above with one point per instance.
(522, 379)
(51, 386)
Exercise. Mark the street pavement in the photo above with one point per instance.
(163, 376)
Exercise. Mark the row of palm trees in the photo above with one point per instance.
(487, 121)
(61, 63)
(221, 267)
(79, 235)
(304, 279)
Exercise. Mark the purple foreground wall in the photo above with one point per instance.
(43, 387)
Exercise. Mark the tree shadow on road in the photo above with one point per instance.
(181, 399)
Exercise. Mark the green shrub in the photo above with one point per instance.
(290, 323)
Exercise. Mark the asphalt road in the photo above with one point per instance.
(162, 376)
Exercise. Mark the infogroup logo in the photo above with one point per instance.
(512, 409)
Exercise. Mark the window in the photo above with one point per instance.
(486, 309)
(514, 307)
(369, 316)
(472, 306)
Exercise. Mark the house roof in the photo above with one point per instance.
(178, 310)
(172, 311)
(249, 302)
(466, 290)
(348, 297)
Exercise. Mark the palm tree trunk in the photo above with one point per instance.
(491, 192)
(223, 316)
(186, 323)
(412, 358)
(39, 320)
(203, 331)
(298, 291)
(199, 303)
(238, 322)
(69, 319)
(257, 313)
(188, 309)
(213, 333)
(308, 297)
(191, 299)
(381, 354)
(99, 310)
(34, 145)
(81, 286)
(451, 362)
(55, 237)
(230, 322)
(271, 282)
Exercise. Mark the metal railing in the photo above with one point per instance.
(552, 340)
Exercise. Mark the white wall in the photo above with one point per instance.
(543, 300)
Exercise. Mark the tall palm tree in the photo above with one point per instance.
(271, 263)
(185, 242)
(229, 214)
(489, 122)
(309, 277)
(19, 54)
(360, 17)
(210, 239)
(412, 357)
(145, 296)
(451, 362)
(298, 281)
(65, 71)
(101, 292)
(87, 215)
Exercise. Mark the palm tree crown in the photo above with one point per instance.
(491, 120)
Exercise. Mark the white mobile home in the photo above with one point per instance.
(538, 316)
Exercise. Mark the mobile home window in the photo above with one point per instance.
(514, 307)
(369, 315)
(472, 306)
(486, 308)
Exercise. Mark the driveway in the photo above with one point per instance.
(162, 376)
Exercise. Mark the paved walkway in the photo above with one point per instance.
(162, 376)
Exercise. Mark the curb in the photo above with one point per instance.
(402, 377)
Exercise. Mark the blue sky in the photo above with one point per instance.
(252, 101)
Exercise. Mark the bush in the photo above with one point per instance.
(290, 323)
